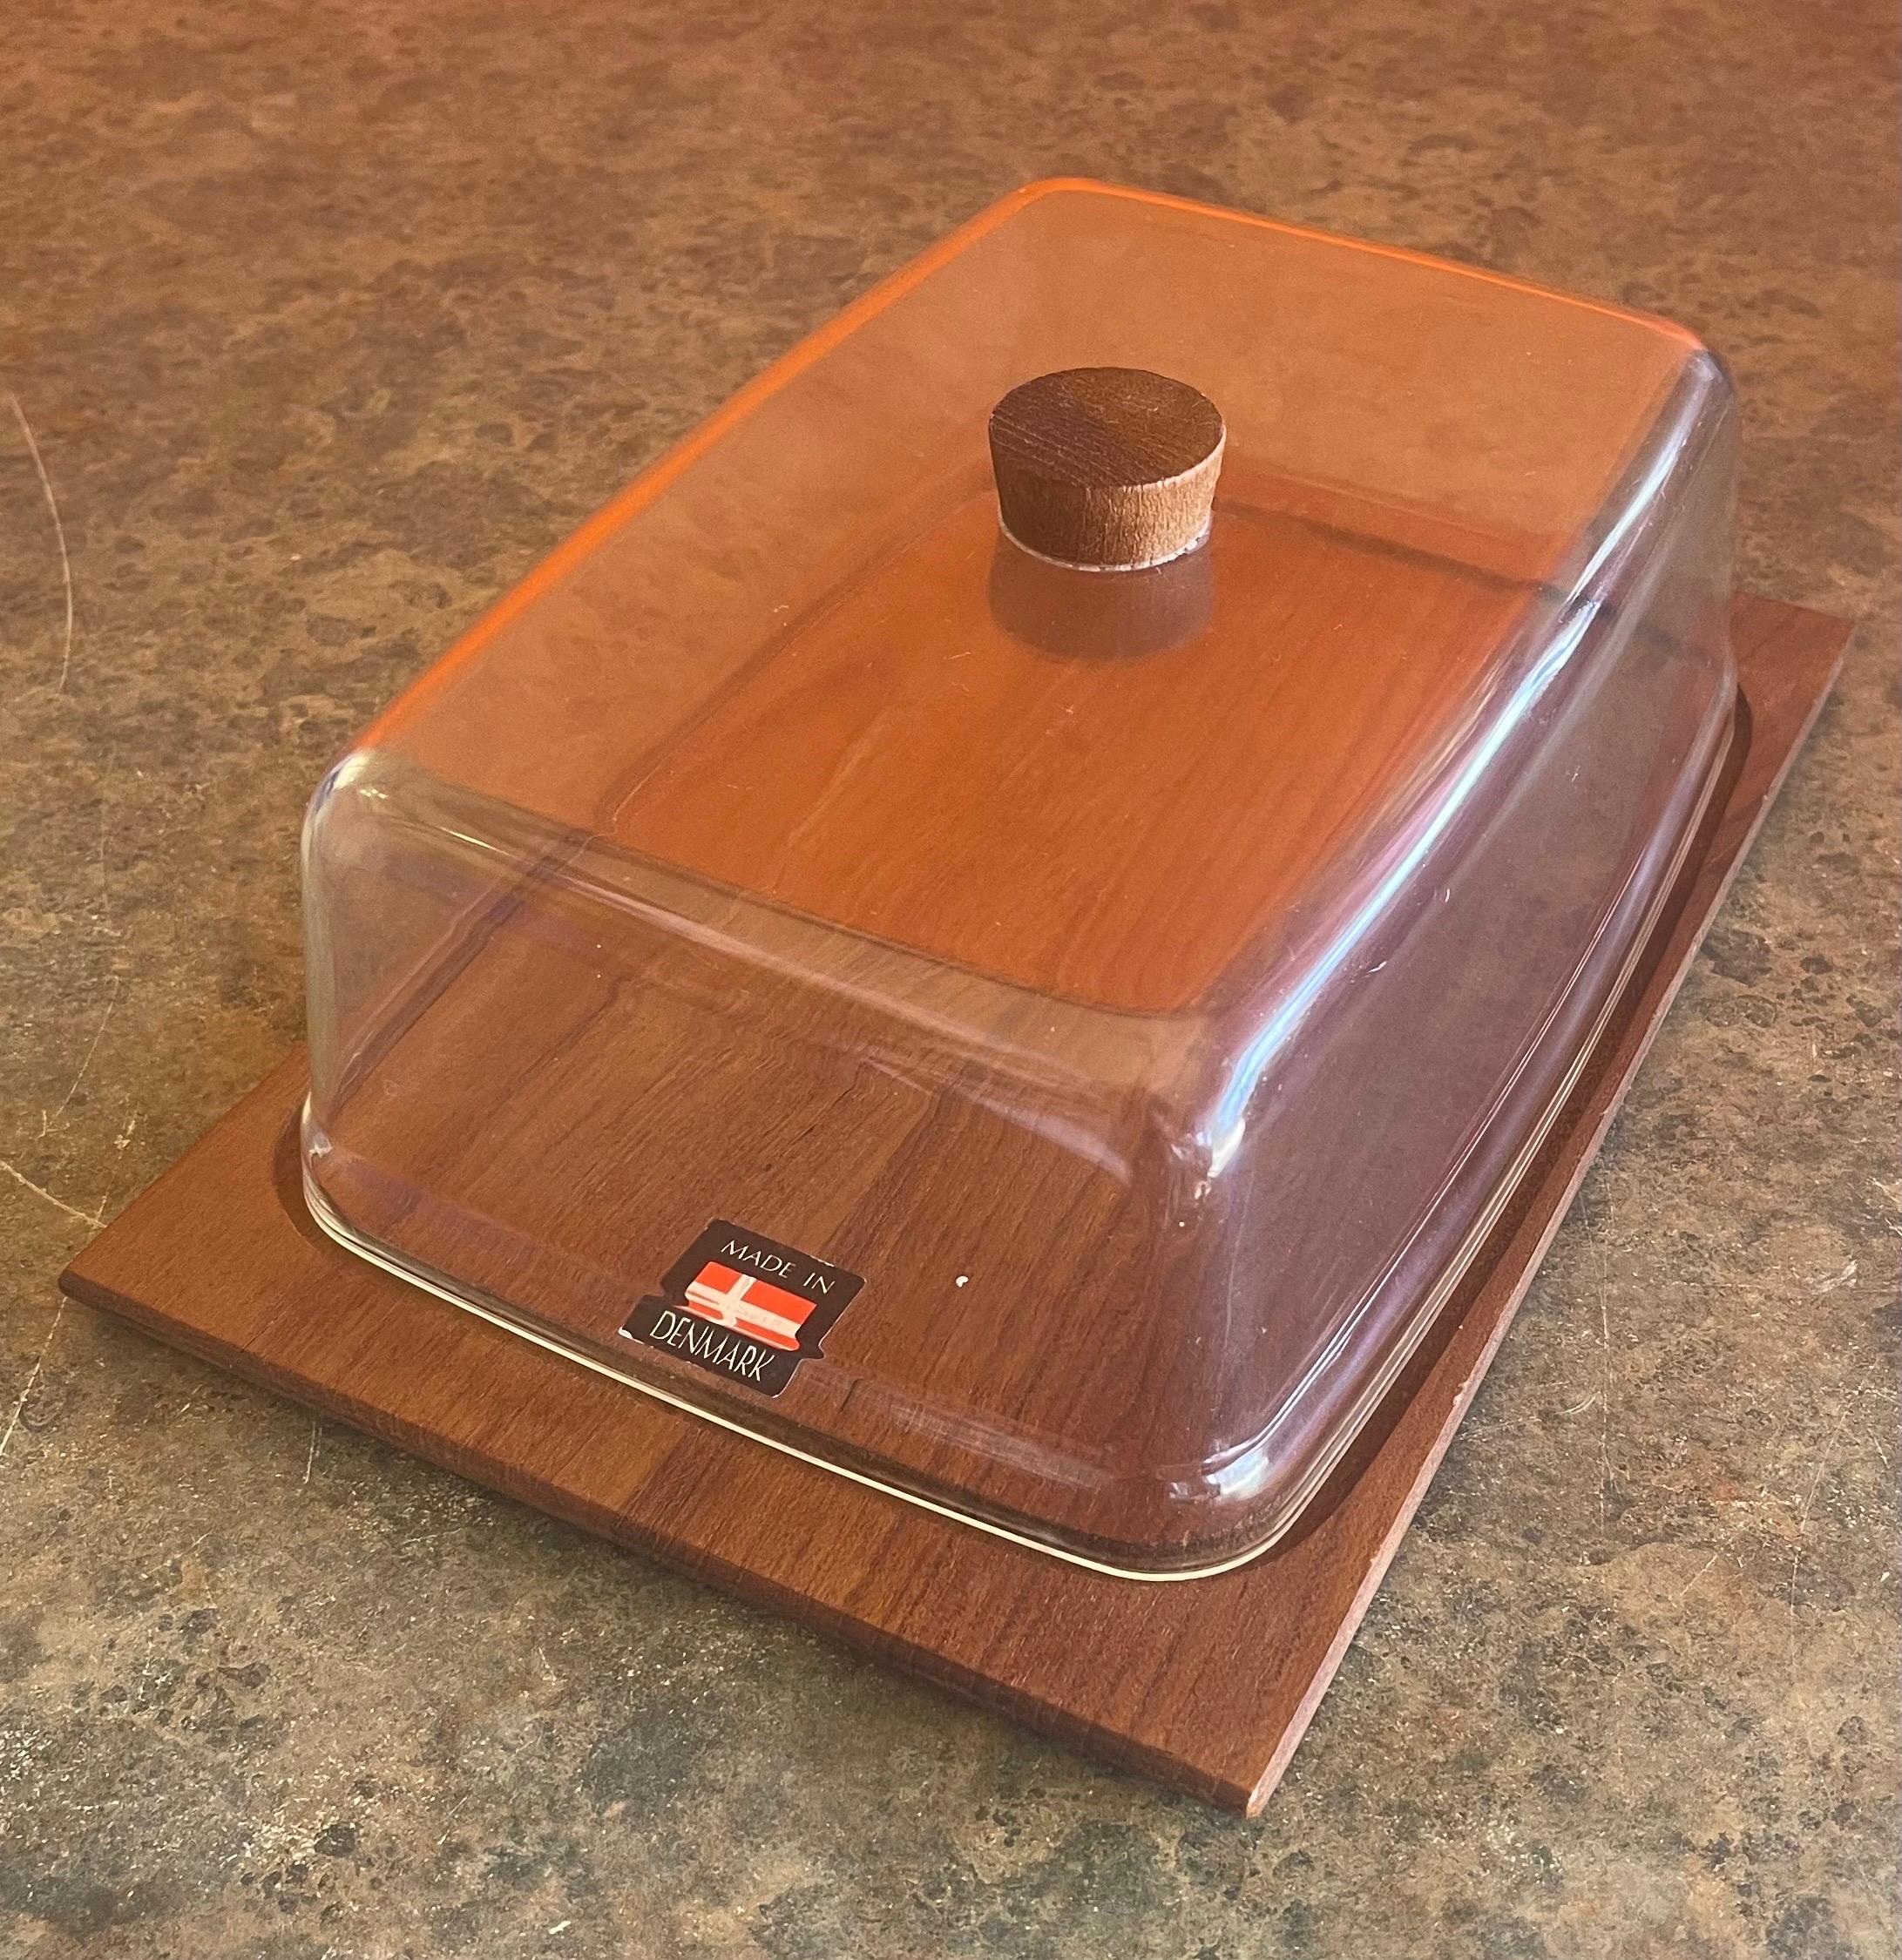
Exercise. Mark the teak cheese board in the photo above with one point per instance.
(1205, 1684)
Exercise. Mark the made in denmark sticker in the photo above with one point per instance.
(744, 1307)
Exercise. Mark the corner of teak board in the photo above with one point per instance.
(1217, 1677)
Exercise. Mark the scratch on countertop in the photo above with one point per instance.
(94, 1218)
(1802, 1516)
(59, 532)
(1686, 1593)
(46, 1122)
(32, 1380)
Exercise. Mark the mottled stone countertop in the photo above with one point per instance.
(324, 322)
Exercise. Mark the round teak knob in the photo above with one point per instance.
(1107, 468)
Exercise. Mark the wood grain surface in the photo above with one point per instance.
(1206, 1685)
(1152, 818)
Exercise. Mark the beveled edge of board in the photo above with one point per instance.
(217, 1257)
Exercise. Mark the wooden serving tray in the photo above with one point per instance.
(1204, 1684)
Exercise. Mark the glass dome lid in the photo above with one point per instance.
(1039, 1016)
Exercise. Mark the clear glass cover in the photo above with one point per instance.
(1044, 1041)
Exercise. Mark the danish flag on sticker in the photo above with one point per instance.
(737, 1300)
(744, 1307)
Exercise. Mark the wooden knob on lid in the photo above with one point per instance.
(1106, 468)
